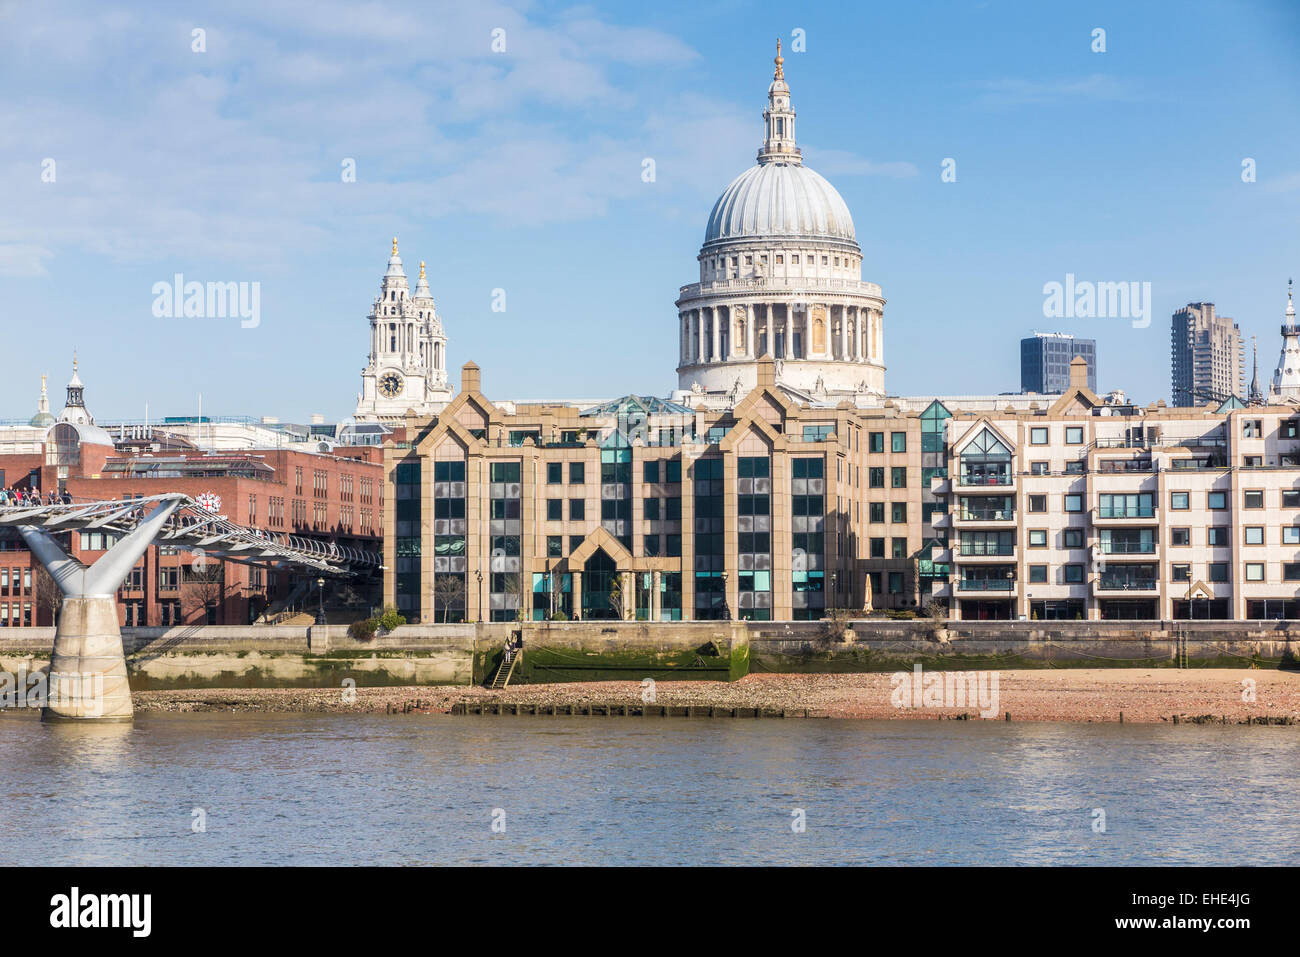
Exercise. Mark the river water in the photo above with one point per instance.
(331, 789)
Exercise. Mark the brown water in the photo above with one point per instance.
(337, 789)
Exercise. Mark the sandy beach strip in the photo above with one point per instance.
(1100, 695)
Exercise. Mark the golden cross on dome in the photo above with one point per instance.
(421, 268)
(780, 70)
(394, 245)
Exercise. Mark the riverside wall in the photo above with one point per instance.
(210, 656)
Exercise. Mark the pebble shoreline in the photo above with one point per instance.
(1083, 695)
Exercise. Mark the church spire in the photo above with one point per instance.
(1256, 393)
(1286, 377)
(778, 120)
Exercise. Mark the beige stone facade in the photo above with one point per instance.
(779, 509)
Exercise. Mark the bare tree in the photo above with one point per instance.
(616, 595)
(208, 578)
(448, 592)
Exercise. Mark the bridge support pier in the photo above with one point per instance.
(87, 679)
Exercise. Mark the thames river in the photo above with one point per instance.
(205, 789)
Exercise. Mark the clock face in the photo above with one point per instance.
(390, 385)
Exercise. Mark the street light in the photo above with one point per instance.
(726, 608)
(478, 573)
(320, 596)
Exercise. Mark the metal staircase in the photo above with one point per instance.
(505, 670)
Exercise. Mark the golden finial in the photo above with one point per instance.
(780, 70)
(43, 378)
(421, 268)
(394, 245)
(74, 360)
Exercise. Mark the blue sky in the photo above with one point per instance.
(522, 171)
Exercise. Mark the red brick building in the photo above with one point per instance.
(334, 497)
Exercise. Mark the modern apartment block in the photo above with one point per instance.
(1045, 359)
(1092, 511)
(779, 509)
(1207, 356)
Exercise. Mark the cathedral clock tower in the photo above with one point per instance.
(407, 367)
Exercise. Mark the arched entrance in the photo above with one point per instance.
(600, 585)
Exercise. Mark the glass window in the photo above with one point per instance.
(577, 473)
(651, 509)
(1074, 435)
(898, 547)
(1074, 503)
(1291, 534)
(1291, 571)
(1217, 535)
(898, 513)
(577, 509)
(876, 442)
(876, 477)
(674, 471)
(876, 511)
(1038, 468)
(1072, 538)
(1038, 436)
(986, 461)
(1218, 572)
(898, 477)
(554, 546)
(1180, 536)
(1254, 499)
(555, 509)
(898, 441)
(1038, 538)
(1254, 571)
(1038, 573)
(1218, 500)
(877, 548)
(1254, 534)
(1073, 573)
(1180, 501)
(1038, 503)
(651, 474)
(1290, 498)
(1180, 572)
(554, 473)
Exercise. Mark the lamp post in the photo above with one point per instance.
(726, 607)
(478, 574)
(320, 598)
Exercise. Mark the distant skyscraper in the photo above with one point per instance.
(1045, 361)
(1208, 356)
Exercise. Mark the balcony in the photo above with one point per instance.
(1126, 548)
(986, 584)
(986, 515)
(1126, 583)
(1122, 514)
(986, 550)
(994, 481)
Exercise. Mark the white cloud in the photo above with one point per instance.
(23, 260)
(235, 153)
(833, 162)
(1015, 91)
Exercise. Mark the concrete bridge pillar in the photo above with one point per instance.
(87, 667)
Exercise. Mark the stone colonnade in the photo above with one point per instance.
(746, 331)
